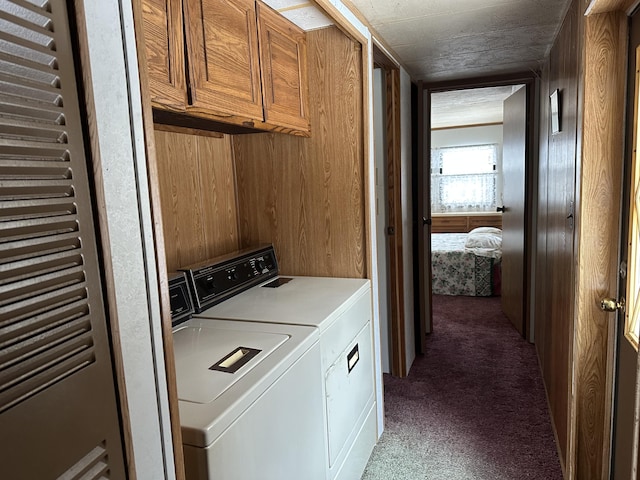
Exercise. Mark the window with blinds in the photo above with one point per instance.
(57, 392)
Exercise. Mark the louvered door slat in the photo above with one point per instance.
(28, 55)
(26, 49)
(25, 20)
(97, 456)
(34, 247)
(55, 365)
(36, 208)
(32, 131)
(46, 375)
(34, 150)
(22, 348)
(20, 373)
(36, 286)
(22, 310)
(11, 169)
(31, 228)
(19, 109)
(36, 325)
(30, 90)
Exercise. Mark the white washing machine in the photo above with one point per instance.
(339, 310)
(250, 398)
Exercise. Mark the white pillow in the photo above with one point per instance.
(484, 240)
(494, 230)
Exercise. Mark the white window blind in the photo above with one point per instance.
(465, 179)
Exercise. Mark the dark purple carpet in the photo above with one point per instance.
(473, 407)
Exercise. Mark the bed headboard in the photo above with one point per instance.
(463, 223)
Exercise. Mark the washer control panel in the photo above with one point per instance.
(222, 277)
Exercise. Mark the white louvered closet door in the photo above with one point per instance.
(58, 407)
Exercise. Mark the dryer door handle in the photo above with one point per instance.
(353, 357)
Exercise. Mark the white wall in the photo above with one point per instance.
(455, 137)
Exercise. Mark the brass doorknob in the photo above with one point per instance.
(611, 304)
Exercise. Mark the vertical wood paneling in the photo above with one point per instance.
(306, 195)
(554, 312)
(576, 270)
(541, 303)
(598, 230)
(197, 196)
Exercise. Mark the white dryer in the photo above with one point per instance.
(339, 309)
(250, 399)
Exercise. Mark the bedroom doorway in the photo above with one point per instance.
(464, 115)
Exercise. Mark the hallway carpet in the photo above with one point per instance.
(473, 407)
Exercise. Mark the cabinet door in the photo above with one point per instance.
(164, 45)
(283, 57)
(222, 43)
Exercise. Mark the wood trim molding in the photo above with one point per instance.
(341, 22)
(479, 82)
(187, 130)
(606, 6)
(490, 124)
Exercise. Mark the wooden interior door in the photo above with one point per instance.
(513, 216)
(59, 413)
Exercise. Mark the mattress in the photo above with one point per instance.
(457, 271)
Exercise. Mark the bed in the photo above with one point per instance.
(467, 263)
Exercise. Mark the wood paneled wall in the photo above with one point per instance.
(198, 196)
(306, 195)
(555, 251)
(580, 182)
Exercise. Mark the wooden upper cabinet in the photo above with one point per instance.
(283, 60)
(247, 64)
(163, 38)
(224, 70)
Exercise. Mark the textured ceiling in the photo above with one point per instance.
(439, 40)
(469, 107)
(455, 39)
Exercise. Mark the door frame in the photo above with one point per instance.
(393, 228)
(529, 79)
